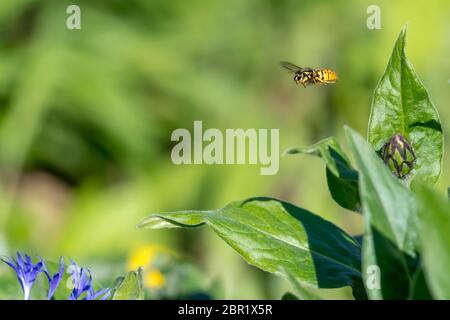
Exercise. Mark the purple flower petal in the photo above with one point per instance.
(26, 272)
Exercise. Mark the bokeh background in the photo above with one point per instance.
(86, 117)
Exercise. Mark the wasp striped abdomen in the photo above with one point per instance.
(325, 75)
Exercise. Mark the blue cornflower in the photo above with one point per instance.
(26, 272)
(103, 294)
(53, 281)
(82, 283)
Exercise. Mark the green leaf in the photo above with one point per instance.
(289, 296)
(391, 226)
(301, 292)
(391, 207)
(342, 179)
(278, 237)
(130, 287)
(434, 215)
(419, 289)
(401, 105)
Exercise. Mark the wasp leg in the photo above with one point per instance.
(319, 80)
(302, 80)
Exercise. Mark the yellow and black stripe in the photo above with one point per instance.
(325, 75)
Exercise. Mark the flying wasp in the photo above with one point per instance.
(306, 76)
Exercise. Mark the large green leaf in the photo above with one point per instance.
(278, 237)
(342, 179)
(391, 227)
(130, 287)
(300, 292)
(434, 215)
(401, 105)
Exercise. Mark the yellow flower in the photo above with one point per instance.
(154, 279)
(143, 256)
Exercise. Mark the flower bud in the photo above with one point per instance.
(398, 155)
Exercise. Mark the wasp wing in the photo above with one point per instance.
(290, 66)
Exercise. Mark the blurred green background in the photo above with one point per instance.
(86, 117)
